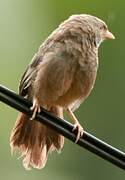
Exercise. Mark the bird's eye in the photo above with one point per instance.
(103, 27)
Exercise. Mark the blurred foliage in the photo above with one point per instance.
(23, 26)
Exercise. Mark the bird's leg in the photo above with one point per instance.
(35, 108)
(76, 125)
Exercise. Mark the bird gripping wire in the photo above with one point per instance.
(61, 126)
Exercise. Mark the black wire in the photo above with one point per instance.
(88, 141)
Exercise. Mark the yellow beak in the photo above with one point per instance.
(108, 35)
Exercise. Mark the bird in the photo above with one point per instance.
(59, 78)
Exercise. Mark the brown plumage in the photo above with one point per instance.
(60, 77)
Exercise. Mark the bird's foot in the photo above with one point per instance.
(35, 108)
(79, 129)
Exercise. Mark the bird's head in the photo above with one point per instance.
(93, 26)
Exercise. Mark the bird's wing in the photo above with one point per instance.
(59, 69)
(59, 63)
(29, 76)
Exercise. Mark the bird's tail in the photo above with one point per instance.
(34, 140)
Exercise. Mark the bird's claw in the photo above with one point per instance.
(35, 108)
(80, 131)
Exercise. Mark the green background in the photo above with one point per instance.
(24, 25)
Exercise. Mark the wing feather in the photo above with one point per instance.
(29, 75)
(55, 76)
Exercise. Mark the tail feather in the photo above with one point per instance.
(34, 140)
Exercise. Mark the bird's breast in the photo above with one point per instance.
(80, 88)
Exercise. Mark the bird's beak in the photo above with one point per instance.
(108, 35)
